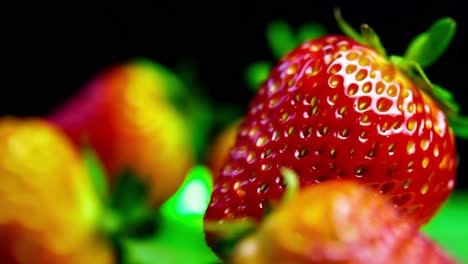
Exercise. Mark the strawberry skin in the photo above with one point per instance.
(336, 109)
(220, 147)
(351, 224)
(49, 212)
(125, 114)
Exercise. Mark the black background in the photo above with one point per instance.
(51, 49)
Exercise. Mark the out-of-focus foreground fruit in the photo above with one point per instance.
(48, 209)
(128, 115)
(337, 222)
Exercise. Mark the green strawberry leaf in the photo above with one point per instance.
(459, 125)
(347, 28)
(256, 74)
(180, 237)
(428, 46)
(178, 243)
(309, 31)
(96, 172)
(449, 227)
(442, 96)
(280, 38)
(372, 39)
(128, 212)
(193, 196)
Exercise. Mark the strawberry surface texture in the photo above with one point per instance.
(334, 108)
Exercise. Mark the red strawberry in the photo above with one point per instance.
(335, 108)
(350, 224)
(220, 146)
(127, 115)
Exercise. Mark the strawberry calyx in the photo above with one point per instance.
(422, 52)
(127, 212)
(230, 232)
(291, 179)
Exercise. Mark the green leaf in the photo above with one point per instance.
(129, 191)
(347, 28)
(446, 96)
(96, 172)
(372, 39)
(309, 31)
(449, 227)
(459, 125)
(280, 38)
(128, 212)
(177, 243)
(428, 46)
(192, 198)
(180, 238)
(256, 74)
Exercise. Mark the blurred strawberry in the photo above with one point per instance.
(48, 210)
(337, 222)
(129, 114)
(219, 149)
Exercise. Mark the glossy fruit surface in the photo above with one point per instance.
(337, 222)
(48, 209)
(221, 145)
(335, 109)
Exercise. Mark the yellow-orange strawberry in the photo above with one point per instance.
(48, 209)
(127, 113)
(337, 222)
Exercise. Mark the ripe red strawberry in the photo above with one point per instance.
(220, 146)
(126, 114)
(350, 225)
(335, 108)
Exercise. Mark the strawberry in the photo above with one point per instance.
(128, 114)
(338, 108)
(220, 146)
(49, 212)
(350, 224)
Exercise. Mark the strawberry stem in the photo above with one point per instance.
(292, 183)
